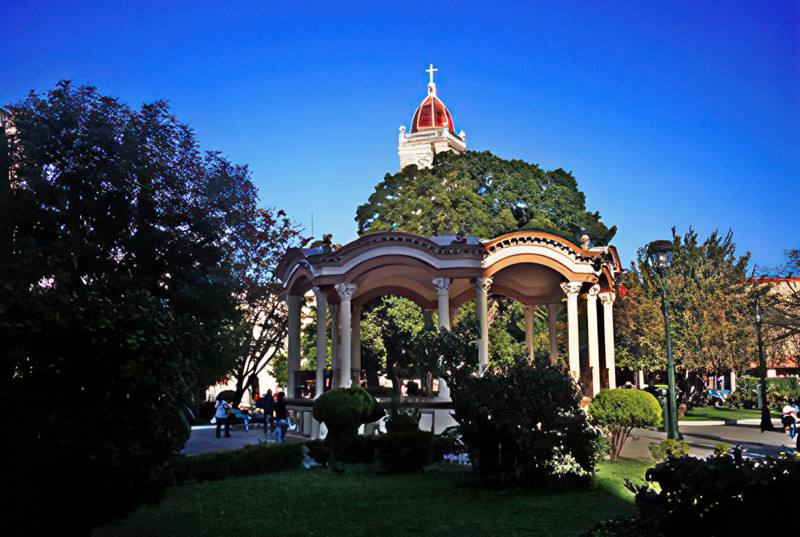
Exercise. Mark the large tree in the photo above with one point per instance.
(482, 195)
(710, 306)
(264, 320)
(117, 301)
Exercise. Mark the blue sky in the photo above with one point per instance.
(668, 114)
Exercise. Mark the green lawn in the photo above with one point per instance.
(710, 413)
(443, 501)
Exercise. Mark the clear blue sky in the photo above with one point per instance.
(680, 114)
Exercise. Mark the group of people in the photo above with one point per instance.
(789, 420)
(276, 418)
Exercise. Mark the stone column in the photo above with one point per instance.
(482, 311)
(293, 361)
(442, 286)
(608, 335)
(322, 340)
(552, 331)
(594, 344)
(355, 355)
(572, 289)
(345, 291)
(336, 362)
(529, 328)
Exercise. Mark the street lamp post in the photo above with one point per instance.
(659, 254)
(766, 420)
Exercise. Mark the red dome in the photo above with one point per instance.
(432, 114)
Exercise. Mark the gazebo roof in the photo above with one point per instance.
(528, 266)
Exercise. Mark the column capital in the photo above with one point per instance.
(607, 299)
(345, 290)
(571, 288)
(484, 284)
(594, 291)
(442, 285)
(318, 292)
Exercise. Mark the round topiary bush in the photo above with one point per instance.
(619, 411)
(343, 410)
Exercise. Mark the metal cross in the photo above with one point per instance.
(431, 70)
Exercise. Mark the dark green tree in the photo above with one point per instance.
(388, 328)
(116, 302)
(482, 195)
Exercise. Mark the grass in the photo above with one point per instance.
(721, 413)
(443, 501)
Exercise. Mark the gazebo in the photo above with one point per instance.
(440, 274)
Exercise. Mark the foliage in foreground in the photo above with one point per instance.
(118, 247)
(250, 460)
(619, 411)
(720, 496)
(523, 425)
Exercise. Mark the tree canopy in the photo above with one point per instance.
(264, 320)
(119, 240)
(710, 306)
(481, 195)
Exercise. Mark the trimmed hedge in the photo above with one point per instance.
(250, 460)
(406, 451)
(619, 411)
(403, 452)
(668, 448)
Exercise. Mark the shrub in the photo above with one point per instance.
(250, 460)
(446, 443)
(619, 411)
(668, 448)
(402, 421)
(721, 495)
(784, 383)
(521, 420)
(724, 495)
(343, 410)
(721, 449)
(777, 398)
(406, 451)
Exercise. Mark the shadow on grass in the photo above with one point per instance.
(358, 502)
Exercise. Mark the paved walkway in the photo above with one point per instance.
(204, 440)
(702, 437)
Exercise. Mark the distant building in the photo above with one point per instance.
(783, 358)
(432, 132)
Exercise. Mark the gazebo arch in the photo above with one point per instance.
(442, 273)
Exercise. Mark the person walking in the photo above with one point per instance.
(281, 418)
(267, 404)
(221, 415)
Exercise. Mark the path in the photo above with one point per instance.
(702, 438)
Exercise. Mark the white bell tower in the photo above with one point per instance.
(431, 132)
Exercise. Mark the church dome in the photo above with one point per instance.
(432, 114)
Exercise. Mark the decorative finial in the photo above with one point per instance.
(431, 85)
(431, 70)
